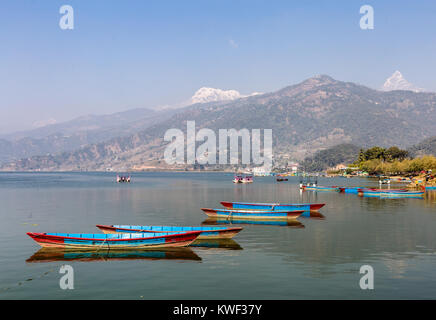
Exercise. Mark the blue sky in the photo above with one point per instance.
(129, 54)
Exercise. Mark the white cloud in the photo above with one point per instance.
(233, 43)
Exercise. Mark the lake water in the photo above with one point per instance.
(317, 258)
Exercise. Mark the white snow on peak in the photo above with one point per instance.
(397, 82)
(206, 94)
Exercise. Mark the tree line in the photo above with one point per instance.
(391, 161)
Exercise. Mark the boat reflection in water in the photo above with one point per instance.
(228, 244)
(54, 255)
(312, 215)
(286, 223)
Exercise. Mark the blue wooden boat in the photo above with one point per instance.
(430, 188)
(391, 193)
(114, 241)
(320, 188)
(353, 190)
(273, 206)
(252, 214)
(206, 232)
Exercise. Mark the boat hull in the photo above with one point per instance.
(273, 206)
(114, 241)
(206, 232)
(392, 194)
(252, 214)
(320, 188)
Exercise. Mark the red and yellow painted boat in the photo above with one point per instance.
(252, 214)
(114, 241)
(273, 206)
(206, 232)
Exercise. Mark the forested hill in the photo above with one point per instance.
(328, 158)
(426, 147)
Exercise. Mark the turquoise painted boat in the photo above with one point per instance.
(252, 214)
(430, 188)
(391, 194)
(273, 206)
(114, 241)
(353, 190)
(206, 232)
(320, 188)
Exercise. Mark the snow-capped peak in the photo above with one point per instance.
(206, 94)
(397, 82)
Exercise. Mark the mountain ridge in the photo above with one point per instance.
(317, 113)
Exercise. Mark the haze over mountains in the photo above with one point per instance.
(315, 114)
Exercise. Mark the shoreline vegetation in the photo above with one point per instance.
(392, 162)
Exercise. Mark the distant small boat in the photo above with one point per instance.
(252, 214)
(237, 179)
(281, 179)
(320, 188)
(273, 206)
(114, 241)
(247, 179)
(206, 232)
(123, 179)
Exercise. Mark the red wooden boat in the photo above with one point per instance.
(273, 206)
(114, 241)
(252, 214)
(206, 232)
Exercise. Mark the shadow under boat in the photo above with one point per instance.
(286, 222)
(54, 255)
(228, 244)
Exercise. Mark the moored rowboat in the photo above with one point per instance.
(114, 241)
(320, 188)
(206, 232)
(387, 193)
(273, 206)
(429, 188)
(252, 214)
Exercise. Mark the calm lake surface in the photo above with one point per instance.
(318, 258)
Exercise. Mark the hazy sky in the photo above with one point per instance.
(128, 54)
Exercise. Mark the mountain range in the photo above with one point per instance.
(315, 114)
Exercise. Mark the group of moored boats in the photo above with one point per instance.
(367, 192)
(263, 211)
(123, 237)
(133, 237)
